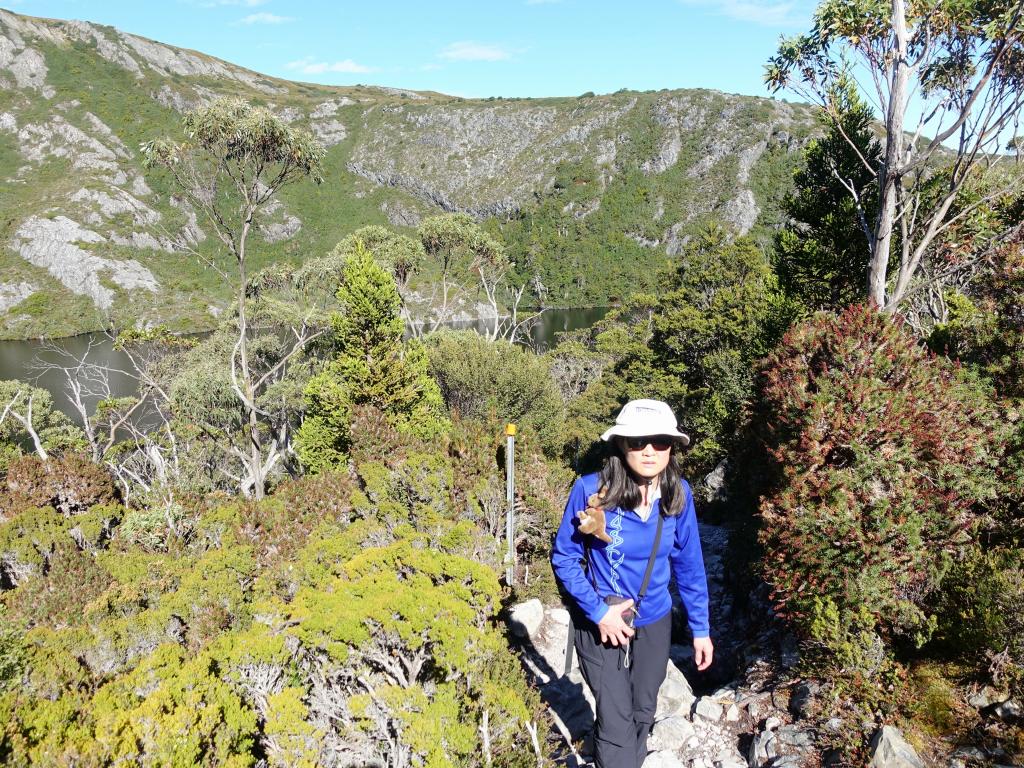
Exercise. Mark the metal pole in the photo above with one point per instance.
(510, 500)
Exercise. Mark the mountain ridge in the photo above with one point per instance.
(592, 194)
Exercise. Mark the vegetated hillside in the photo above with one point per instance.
(591, 194)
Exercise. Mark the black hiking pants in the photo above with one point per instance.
(626, 697)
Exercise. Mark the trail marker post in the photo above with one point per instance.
(510, 500)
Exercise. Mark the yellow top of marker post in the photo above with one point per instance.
(510, 430)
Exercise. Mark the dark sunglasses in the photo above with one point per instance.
(657, 442)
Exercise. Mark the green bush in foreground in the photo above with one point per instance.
(877, 454)
(349, 617)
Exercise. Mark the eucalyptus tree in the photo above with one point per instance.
(28, 417)
(959, 66)
(459, 249)
(235, 158)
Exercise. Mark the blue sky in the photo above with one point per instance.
(472, 48)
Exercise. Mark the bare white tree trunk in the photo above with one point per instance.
(889, 179)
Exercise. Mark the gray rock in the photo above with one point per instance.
(670, 734)
(329, 132)
(1008, 710)
(400, 214)
(105, 206)
(12, 294)
(59, 138)
(732, 714)
(329, 108)
(675, 697)
(281, 230)
(742, 211)
(28, 68)
(175, 61)
(525, 618)
(762, 749)
(108, 49)
(984, 697)
(714, 481)
(969, 753)
(801, 699)
(890, 750)
(794, 736)
(708, 708)
(51, 245)
(663, 760)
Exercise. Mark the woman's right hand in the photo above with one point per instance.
(612, 627)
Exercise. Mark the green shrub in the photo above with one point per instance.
(72, 580)
(980, 615)
(876, 455)
(25, 406)
(409, 625)
(11, 651)
(497, 382)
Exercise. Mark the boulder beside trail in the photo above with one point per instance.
(890, 750)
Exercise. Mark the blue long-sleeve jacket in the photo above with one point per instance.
(618, 568)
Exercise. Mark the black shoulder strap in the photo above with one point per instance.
(650, 560)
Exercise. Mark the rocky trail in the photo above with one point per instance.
(749, 709)
(717, 719)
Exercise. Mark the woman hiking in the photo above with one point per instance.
(617, 575)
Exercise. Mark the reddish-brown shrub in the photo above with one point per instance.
(878, 453)
(69, 483)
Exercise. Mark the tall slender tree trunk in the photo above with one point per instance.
(889, 178)
(255, 462)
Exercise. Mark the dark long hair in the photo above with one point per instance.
(622, 489)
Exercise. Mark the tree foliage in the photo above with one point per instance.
(236, 158)
(822, 255)
(693, 346)
(497, 382)
(958, 66)
(29, 421)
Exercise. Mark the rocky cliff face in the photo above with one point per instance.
(81, 221)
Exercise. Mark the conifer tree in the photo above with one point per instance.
(373, 366)
(822, 256)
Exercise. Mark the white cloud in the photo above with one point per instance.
(309, 67)
(430, 67)
(244, 3)
(265, 18)
(766, 13)
(467, 50)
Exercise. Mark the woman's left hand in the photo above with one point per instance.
(703, 651)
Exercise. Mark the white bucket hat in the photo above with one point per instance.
(640, 418)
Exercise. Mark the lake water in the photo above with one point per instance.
(25, 359)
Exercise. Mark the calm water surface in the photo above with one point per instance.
(22, 359)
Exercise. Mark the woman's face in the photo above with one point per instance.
(646, 457)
